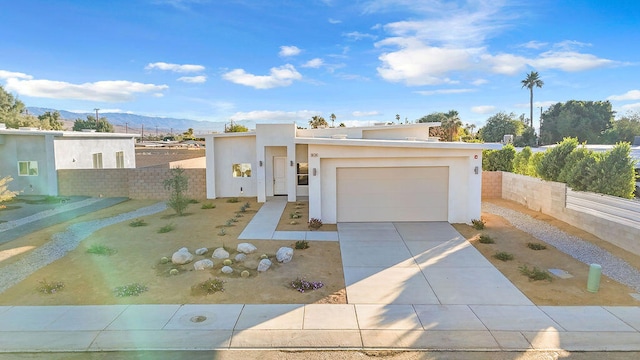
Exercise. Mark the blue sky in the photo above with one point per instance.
(288, 60)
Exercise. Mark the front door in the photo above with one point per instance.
(279, 175)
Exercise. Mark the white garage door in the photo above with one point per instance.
(392, 194)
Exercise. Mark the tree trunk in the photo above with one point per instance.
(531, 106)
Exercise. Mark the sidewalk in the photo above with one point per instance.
(410, 286)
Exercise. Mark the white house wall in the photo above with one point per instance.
(77, 153)
(226, 152)
(464, 185)
(275, 140)
(15, 148)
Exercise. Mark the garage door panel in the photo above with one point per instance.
(392, 194)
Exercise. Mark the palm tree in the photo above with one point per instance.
(333, 118)
(532, 80)
(451, 124)
(398, 117)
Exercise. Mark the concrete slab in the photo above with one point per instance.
(396, 285)
(429, 340)
(4, 308)
(458, 254)
(448, 317)
(562, 274)
(584, 341)
(289, 235)
(376, 254)
(86, 317)
(271, 317)
(330, 317)
(46, 341)
(285, 339)
(585, 318)
(511, 340)
(628, 314)
(514, 318)
(144, 317)
(263, 224)
(391, 317)
(162, 340)
(30, 318)
(430, 231)
(368, 232)
(205, 317)
(479, 285)
(322, 235)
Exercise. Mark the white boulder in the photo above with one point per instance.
(182, 256)
(203, 264)
(246, 248)
(240, 257)
(202, 251)
(264, 265)
(284, 254)
(227, 269)
(220, 253)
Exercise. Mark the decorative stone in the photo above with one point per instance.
(227, 269)
(174, 272)
(240, 257)
(182, 256)
(202, 251)
(245, 274)
(264, 265)
(284, 254)
(246, 248)
(220, 253)
(203, 264)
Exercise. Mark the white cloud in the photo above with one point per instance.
(356, 35)
(193, 79)
(569, 61)
(365, 113)
(568, 45)
(185, 68)
(289, 51)
(444, 91)
(631, 107)
(269, 115)
(108, 91)
(629, 95)
(334, 21)
(483, 109)
(4, 74)
(506, 64)
(479, 82)
(533, 44)
(313, 63)
(280, 76)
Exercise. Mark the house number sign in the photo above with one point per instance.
(313, 154)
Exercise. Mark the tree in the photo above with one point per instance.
(178, 184)
(532, 80)
(555, 159)
(585, 120)
(50, 121)
(450, 125)
(499, 160)
(317, 121)
(527, 138)
(333, 118)
(12, 111)
(398, 117)
(235, 128)
(624, 129)
(499, 125)
(102, 126)
(437, 131)
(5, 193)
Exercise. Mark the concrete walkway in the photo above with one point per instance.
(409, 286)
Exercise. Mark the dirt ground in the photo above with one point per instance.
(301, 208)
(572, 291)
(91, 279)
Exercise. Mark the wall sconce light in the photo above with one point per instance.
(241, 191)
(260, 163)
(314, 172)
(290, 162)
(476, 170)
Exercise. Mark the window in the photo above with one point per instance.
(28, 168)
(97, 161)
(120, 159)
(302, 169)
(241, 170)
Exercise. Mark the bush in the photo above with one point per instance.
(294, 215)
(555, 158)
(522, 162)
(50, 287)
(302, 244)
(503, 256)
(477, 224)
(315, 224)
(167, 228)
(137, 223)
(134, 289)
(535, 274)
(536, 246)
(211, 286)
(486, 239)
(302, 285)
(100, 249)
(499, 160)
(206, 206)
(233, 200)
(178, 185)
(613, 173)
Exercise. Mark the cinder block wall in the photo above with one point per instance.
(491, 184)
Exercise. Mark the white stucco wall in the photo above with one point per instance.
(464, 184)
(221, 153)
(77, 153)
(15, 148)
(275, 140)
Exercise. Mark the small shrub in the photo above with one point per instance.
(534, 274)
(478, 224)
(229, 222)
(302, 244)
(166, 228)
(294, 216)
(486, 239)
(177, 184)
(174, 272)
(315, 224)
(138, 223)
(234, 220)
(245, 273)
(536, 246)
(100, 249)
(301, 285)
(134, 289)
(243, 209)
(233, 200)
(193, 201)
(293, 222)
(247, 205)
(238, 215)
(164, 260)
(264, 256)
(50, 287)
(504, 256)
(222, 232)
(227, 262)
(207, 206)
(211, 286)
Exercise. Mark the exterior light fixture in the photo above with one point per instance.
(260, 163)
(290, 162)
(476, 170)
(314, 172)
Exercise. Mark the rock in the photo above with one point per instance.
(246, 248)
(202, 251)
(220, 253)
(264, 265)
(227, 269)
(284, 254)
(182, 256)
(240, 257)
(203, 264)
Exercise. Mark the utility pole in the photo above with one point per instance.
(96, 109)
(142, 137)
(126, 128)
(156, 131)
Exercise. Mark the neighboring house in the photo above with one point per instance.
(32, 156)
(355, 174)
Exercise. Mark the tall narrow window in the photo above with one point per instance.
(303, 173)
(120, 159)
(27, 168)
(97, 161)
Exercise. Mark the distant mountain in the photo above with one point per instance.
(134, 123)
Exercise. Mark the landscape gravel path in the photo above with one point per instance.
(63, 242)
(584, 251)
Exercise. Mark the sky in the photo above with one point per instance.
(288, 60)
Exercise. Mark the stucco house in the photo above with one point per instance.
(32, 157)
(355, 174)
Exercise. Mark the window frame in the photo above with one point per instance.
(241, 170)
(30, 169)
(302, 174)
(97, 160)
(120, 159)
